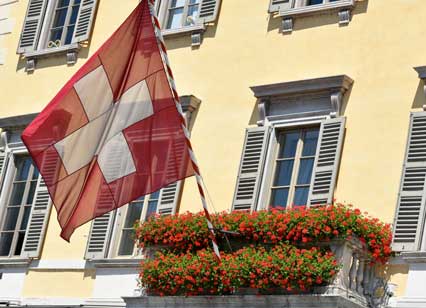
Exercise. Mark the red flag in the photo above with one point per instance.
(113, 132)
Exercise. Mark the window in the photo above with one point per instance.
(55, 26)
(18, 207)
(182, 13)
(138, 210)
(63, 23)
(293, 167)
(292, 157)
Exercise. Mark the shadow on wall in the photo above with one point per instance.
(316, 20)
(419, 98)
(53, 60)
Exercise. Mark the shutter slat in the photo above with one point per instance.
(251, 169)
(279, 5)
(327, 161)
(100, 231)
(208, 11)
(32, 25)
(38, 220)
(169, 198)
(85, 19)
(409, 217)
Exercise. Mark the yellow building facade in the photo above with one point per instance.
(265, 70)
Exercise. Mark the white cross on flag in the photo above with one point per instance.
(113, 132)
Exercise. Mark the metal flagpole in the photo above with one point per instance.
(163, 52)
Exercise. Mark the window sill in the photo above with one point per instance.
(116, 263)
(344, 8)
(70, 51)
(414, 257)
(195, 32)
(15, 263)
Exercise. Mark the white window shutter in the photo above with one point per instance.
(86, 15)
(4, 158)
(100, 236)
(169, 199)
(327, 161)
(277, 5)
(208, 10)
(251, 168)
(410, 213)
(32, 25)
(37, 225)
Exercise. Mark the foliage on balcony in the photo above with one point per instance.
(284, 266)
(300, 227)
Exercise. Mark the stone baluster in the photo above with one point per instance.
(367, 278)
(352, 272)
(360, 276)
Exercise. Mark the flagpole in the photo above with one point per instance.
(163, 52)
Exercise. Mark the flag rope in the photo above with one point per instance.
(164, 57)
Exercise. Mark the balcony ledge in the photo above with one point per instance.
(243, 301)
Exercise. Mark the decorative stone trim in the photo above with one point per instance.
(15, 263)
(70, 51)
(421, 71)
(344, 8)
(286, 93)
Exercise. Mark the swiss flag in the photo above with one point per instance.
(113, 133)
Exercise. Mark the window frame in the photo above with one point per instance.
(185, 11)
(7, 190)
(272, 150)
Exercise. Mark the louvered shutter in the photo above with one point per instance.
(4, 158)
(277, 5)
(208, 10)
(37, 224)
(99, 236)
(32, 25)
(86, 15)
(169, 198)
(251, 168)
(327, 161)
(410, 213)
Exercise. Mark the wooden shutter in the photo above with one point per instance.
(251, 168)
(32, 25)
(99, 236)
(37, 224)
(208, 10)
(327, 161)
(86, 15)
(169, 199)
(277, 5)
(410, 213)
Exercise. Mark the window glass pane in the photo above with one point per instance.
(77, 1)
(288, 144)
(175, 3)
(305, 171)
(17, 193)
(25, 218)
(19, 243)
(152, 208)
(192, 15)
(70, 32)
(312, 2)
(283, 172)
(127, 243)
(31, 192)
(11, 218)
(194, 1)
(175, 19)
(134, 212)
(23, 165)
(35, 173)
(310, 142)
(301, 196)
(60, 17)
(155, 195)
(55, 35)
(5, 243)
(279, 197)
(74, 14)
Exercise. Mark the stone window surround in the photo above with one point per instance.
(343, 7)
